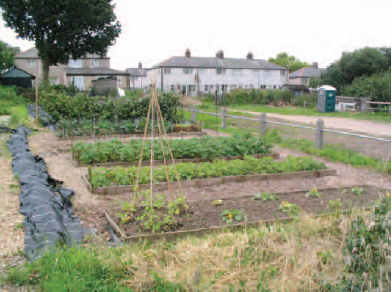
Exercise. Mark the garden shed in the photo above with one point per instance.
(17, 77)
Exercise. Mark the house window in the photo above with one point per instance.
(118, 80)
(53, 80)
(220, 71)
(212, 87)
(78, 82)
(193, 87)
(172, 87)
(251, 86)
(224, 87)
(246, 86)
(240, 86)
(32, 63)
(187, 71)
(95, 63)
(75, 63)
(179, 87)
(282, 73)
(166, 71)
(206, 87)
(274, 86)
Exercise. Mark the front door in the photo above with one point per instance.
(78, 82)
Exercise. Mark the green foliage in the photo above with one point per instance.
(124, 218)
(9, 98)
(363, 63)
(7, 54)
(289, 208)
(369, 248)
(265, 197)
(66, 128)
(70, 270)
(61, 106)
(229, 216)
(283, 59)
(377, 87)
(335, 204)
(242, 96)
(314, 82)
(63, 29)
(217, 202)
(104, 177)
(205, 147)
(313, 193)
(358, 191)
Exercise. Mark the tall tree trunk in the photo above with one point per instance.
(45, 69)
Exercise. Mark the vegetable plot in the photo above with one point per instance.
(205, 147)
(103, 177)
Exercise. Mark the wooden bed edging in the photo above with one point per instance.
(199, 134)
(210, 182)
(169, 161)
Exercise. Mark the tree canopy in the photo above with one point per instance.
(356, 73)
(283, 59)
(63, 29)
(7, 54)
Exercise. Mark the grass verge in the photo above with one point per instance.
(331, 152)
(338, 253)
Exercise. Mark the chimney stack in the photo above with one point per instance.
(188, 53)
(220, 54)
(315, 65)
(249, 56)
(140, 65)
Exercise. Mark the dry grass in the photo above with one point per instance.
(301, 256)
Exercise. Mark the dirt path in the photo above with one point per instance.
(12, 234)
(346, 124)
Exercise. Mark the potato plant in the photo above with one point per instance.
(104, 177)
(205, 147)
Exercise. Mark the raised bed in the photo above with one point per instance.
(202, 217)
(211, 182)
(169, 161)
(68, 147)
(139, 135)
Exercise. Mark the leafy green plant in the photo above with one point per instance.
(313, 193)
(335, 204)
(265, 197)
(103, 177)
(205, 147)
(217, 202)
(357, 191)
(289, 208)
(129, 206)
(124, 218)
(229, 216)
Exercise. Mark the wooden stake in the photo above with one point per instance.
(36, 101)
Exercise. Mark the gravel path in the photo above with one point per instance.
(346, 124)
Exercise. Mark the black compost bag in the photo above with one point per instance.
(49, 219)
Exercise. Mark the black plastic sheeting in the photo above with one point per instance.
(49, 218)
(44, 117)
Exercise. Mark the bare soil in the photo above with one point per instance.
(202, 213)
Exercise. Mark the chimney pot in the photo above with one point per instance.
(315, 65)
(140, 65)
(249, 56)
(188, 53)
(220, 54)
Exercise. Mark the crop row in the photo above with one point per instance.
(103, 177)
(205, 147)
(66, 128)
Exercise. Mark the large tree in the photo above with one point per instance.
(283, 59)
(7, 54)
(63, 29)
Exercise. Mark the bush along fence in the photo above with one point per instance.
(49, 218)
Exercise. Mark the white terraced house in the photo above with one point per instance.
(206, 75)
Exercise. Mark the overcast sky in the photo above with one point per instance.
(312, 30)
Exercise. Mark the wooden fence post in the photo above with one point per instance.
(263, 124)
(193, 111)
(223, 116)
(36, 101)
(319, 134)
